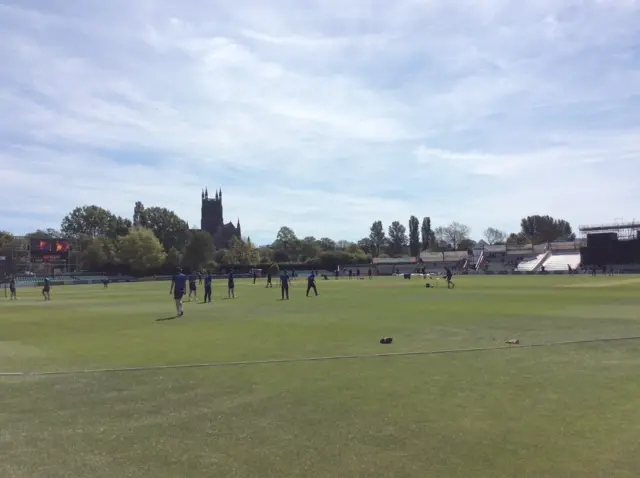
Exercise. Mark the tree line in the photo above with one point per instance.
(157, 239)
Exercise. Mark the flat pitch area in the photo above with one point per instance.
(569, 410)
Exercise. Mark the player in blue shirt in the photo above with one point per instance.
(311, 284)
(207, 286)
(231, 285)
(284, 285)
(12, 289)
(46, 290)
(192, 286)
(178, 288)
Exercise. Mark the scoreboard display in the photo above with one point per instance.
(49, 250)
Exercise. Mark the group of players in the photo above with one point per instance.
(180, 280)
(46, 289)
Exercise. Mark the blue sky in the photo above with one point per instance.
(321, 115)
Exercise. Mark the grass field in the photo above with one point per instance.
(559, 411)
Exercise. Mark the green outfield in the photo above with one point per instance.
(559, 411)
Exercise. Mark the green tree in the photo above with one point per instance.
(397, 238)
(168, 227)
(426, 233)
(98, 252)
(139, 216)
(518, 239)
(377, 237)
(141, 250)
(541, 229)
(455, 233)
(327, 244)
(174, 258)
(6, 238)
(309, 248)
(46, 233)
(495, 236)
(414, 236)
(365, 245)
(466, 245)
(88, 221)
(199, 250)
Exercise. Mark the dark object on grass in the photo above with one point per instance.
(427, 285)
(386, 340)
(407, 276)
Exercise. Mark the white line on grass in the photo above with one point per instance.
(310, 359)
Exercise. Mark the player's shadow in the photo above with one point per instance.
(167, 318)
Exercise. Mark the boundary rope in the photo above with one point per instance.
(309, 359)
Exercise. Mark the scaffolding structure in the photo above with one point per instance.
(625, 230)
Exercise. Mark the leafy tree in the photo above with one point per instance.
(377, 238)
(541, 229)
(89, 221)
(455, 232)
(426, 233)
(342, 244)
(495, 236)
(46, 233)
(118, 226)
(174, 258)
(466, 244)
(6, 238)
(309, 248)
(327, 244)
(397, 237)
(168, 227)
(286, 236)
(516, 239)
(414, 236)
(365, 245)
(141, 250)
(199, 250)
(139, 216)
(98, 252)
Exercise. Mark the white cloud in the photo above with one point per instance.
(324, 116)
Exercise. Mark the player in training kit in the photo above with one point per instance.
(192, 286)
(311, 284)
(255, 276)
(12, 289)
(449, 275)
(231, 286)
(46, 290)
(350, 273)
(284, 285)
(178, 289)
(207, 286)
(105, 283)
(269, 284)
(358, 273)
(369, 273)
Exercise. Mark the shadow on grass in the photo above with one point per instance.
(168, 318)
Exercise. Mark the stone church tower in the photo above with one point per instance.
(212, 220)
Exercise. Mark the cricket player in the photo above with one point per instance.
(178, 289)
(311, 284)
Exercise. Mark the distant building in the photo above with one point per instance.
(212, 220)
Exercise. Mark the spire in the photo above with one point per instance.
(217, 195)
(238, 229)
(220, 194)
(203, 194)
(206, 193)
